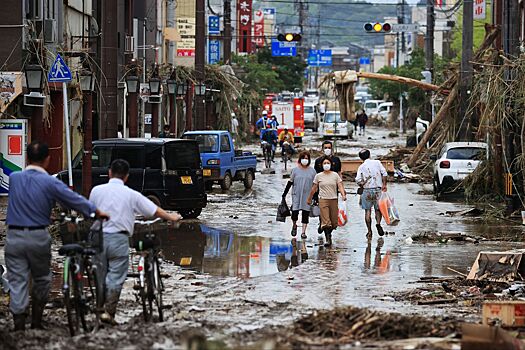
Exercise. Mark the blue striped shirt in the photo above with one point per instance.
(32, 195)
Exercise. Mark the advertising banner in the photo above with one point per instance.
(258, 28)
(10, 88)
(186, 29)
(13, 140)
(244, 20)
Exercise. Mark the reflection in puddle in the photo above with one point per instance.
(222, 253)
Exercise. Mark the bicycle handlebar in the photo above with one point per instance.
(147, 222)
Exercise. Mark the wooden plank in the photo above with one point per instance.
(351, 165)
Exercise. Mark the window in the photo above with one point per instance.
(154, 157)
(182, 155)
(133, 155)
(225, 144)
(308, 109)
(101, 156)
(207, 143)
(465, 153)
(331, 117)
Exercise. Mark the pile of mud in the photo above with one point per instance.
(349, 324)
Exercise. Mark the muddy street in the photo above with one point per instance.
(237, 279)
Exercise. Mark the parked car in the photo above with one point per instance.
(332, 126)
(372, 107)
(311, 119)
(167, 171)
(384, 109)
(455, 162)
(220, 161)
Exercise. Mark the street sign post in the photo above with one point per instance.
(214, 51)
(409, 27)
(60, 73)
(214, 25)
(283, 49)
(320, 58)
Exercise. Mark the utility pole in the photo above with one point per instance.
(465, 79)
(429, 52)
(227, 42)
(318, 43)
(301, 8)
(200, 40)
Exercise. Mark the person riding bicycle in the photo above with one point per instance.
(273, 122)
(269, 135)
(287, 136)
(122, 203)
(262, 122)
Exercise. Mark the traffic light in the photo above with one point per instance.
(289, 37)
(378, 27)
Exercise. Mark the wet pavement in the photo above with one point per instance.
(237, 276)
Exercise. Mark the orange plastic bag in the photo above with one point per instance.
(388, 209)
(342, 214)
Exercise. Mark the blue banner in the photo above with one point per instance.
(364, 60)
(214, 51)
(319, 58)
(214, 26)
(283, 49)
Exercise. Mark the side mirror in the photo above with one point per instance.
(433, 157)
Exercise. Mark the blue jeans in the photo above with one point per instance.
(115, 261)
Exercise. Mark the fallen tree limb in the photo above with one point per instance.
(403, 80)
(437, 301)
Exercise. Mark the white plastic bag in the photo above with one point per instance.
(342, 214)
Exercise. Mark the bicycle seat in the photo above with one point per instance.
(89, 251)
(70, 249)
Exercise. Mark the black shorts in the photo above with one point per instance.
(304, 217)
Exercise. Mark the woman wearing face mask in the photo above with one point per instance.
(328, 183)
(327, 148)
(301, 179)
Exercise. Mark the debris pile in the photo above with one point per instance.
(444, 237)
(344, 325)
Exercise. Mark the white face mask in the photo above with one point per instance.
(327, 151)
(304, 162)
(327, 167)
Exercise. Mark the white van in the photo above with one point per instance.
(332, 126)
(311, 121)
(372, 107)
(384, 110)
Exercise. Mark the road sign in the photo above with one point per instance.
(214, 25)
(283, 49)
(364, 60)
(319, 58)
(269, 11)
(409, 27)
(214, 51)
(60, 72)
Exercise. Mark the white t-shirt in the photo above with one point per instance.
(122, 204)
(327, 183)
(371, 173)
(235, 125)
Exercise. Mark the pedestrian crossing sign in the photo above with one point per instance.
(59, 72)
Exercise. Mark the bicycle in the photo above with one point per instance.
(267, 153)
(83, 283)
(286, 150)
(149, 280)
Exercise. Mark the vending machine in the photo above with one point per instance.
(13, 143)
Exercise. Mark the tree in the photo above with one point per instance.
(289, 69)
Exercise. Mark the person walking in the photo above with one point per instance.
(234, 125)
(328, 183)
(32, 195)
(122, 203)
(165, 132)
(327, 148)
(301, 179)
(372, 178)
(362, 119)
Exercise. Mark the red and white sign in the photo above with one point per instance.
(258, 28)
(244, 18)
(480, 9)
(14, 145)
(186, 52)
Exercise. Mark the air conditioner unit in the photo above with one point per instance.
(35, 99)
(50, 30)
(129, 45)
(155, 99)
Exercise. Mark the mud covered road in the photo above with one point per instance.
(248, 282)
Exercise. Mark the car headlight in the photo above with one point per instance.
(214, 162)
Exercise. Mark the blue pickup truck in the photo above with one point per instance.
(221, 163)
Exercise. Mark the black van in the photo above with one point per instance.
(167, 171)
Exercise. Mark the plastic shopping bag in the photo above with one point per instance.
(342, 214)
(388, 209)
(315, 211)
(282, 211)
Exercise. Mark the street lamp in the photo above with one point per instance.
(154, 86)
(86, 80)
(34, 77)
(200, 89)
(172, 86)
(132, 84)
(87, 85)
(182, 89)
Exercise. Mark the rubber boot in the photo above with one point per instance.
(37, 312)
(20, 322)
(328, 235)
(111, 307)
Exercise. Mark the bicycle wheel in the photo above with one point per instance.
(70, 293)
(92, 300)
(158, 288)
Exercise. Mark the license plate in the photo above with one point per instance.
(329, 131)
(206, 172)
(185, 261)
(186, 180)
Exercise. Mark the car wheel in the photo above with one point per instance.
(192, 213)
(226, 183)
(248, 179)
(154, 199)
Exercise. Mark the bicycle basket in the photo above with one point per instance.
(73, 233)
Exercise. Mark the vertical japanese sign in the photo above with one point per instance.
(214, 25)
(214, 51)
(480, 9)
(244, 20)
(186, 28)
(12, 150)
(258, 28)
